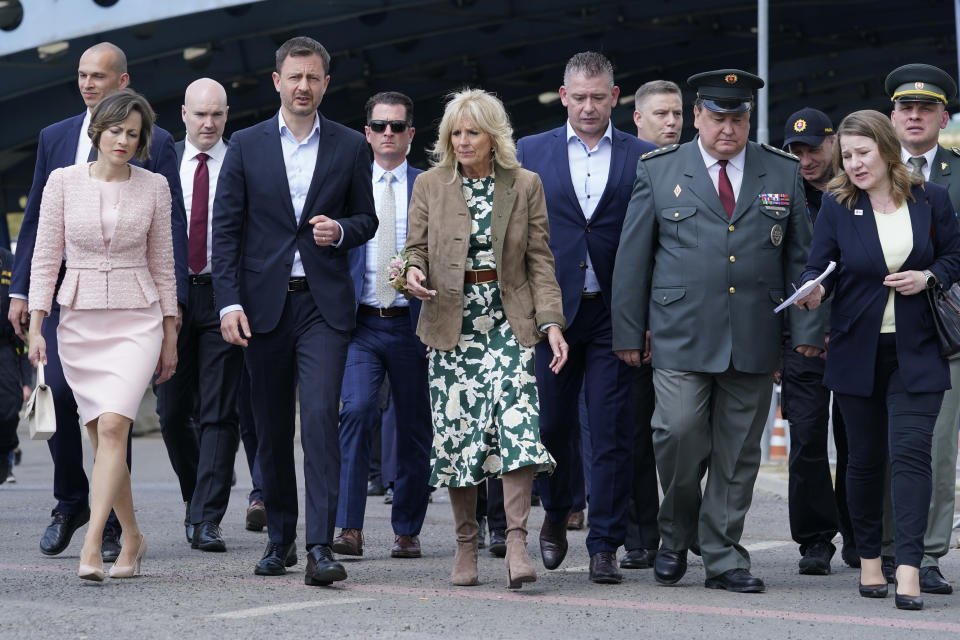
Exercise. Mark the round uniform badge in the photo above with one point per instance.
(800, 125)
(776, 235)
(731, 78)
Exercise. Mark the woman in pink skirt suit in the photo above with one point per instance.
(118, 303)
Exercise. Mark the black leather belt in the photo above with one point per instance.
(298, 284)
(391, 312)
(202, 278)
(590, 295)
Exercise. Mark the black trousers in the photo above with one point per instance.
(642, 529)
(818, 507)
(205, 388)
(898, 423)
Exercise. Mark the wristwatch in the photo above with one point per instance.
(931, 279)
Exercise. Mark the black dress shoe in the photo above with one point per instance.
(889, 568)
(110, 546)
(276, 558)
(498, 543)
(737, 580)
(669, 565)
(6, 469)
(187, 525)
(816, 559)
(932, 581)
(910, 603)
(375, 487)
(322, 569)
(850, 555)
(603, 568)
(207, 537)
(57, 535)
(638, 559)
(553, 542)
(873, 590)
(482, 532)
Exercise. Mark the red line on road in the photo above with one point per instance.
(730, 612)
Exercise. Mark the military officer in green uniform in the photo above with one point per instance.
(715, 234)
(920, 94)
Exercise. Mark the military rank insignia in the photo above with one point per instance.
(775, 199)
(677, 190)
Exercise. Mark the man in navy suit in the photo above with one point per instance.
(207, 381)
(385, 343)
(587, 168)
(102, 70)
(294, 196)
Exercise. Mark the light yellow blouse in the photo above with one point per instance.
(896, 239)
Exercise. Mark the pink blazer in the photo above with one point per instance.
(135, 272)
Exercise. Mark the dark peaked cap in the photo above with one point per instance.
(920, 83)
(726, 90)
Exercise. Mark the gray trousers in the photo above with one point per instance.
(943, 462)
(716, 420)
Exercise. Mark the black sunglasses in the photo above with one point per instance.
(379, 126)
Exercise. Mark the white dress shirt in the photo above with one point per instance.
(905, 157)
(188, 167)
(84, 145)
(589, 170)
(368, 294)
(734, 169)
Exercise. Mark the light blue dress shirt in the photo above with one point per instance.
(368, 294)
(589, 170)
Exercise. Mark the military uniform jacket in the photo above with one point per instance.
(946, 172)
(706, 285)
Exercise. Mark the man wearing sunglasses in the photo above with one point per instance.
(384, 343)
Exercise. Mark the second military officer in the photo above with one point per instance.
(715, 233)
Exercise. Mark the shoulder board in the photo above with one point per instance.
(660, 151)
(780, 152)
(956, 151)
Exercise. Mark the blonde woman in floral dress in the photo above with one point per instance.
(479, 256)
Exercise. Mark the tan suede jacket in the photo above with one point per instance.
(438, 239)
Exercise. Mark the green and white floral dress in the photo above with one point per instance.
(483, 392)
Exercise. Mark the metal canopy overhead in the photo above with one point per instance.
(832, 55)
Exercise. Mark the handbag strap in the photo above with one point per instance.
(40, 380)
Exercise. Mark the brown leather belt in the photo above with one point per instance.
(479, 277)
(391, 312)
(298, 284)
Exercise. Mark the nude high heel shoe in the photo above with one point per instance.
(129, 571)
(87, 572)
(90, 572)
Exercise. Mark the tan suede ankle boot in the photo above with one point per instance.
(517, 486)
(463, 500)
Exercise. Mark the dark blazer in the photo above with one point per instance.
(57, 148)
(255, 231)
(358, 257)
(859, 295)
(571, 236)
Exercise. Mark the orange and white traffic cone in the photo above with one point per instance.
(778, 439)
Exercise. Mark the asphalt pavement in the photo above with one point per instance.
(191, 594)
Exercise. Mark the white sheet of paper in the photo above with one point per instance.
(805, 290)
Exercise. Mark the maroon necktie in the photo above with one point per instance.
(197, 256)
(725, 189)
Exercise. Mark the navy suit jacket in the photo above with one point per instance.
(57, 148)
(358, 258)
(256, 234)
(859, 295)
(571, 236)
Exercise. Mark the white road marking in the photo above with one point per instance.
(287, 606)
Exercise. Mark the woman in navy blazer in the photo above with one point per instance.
(892, 236)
